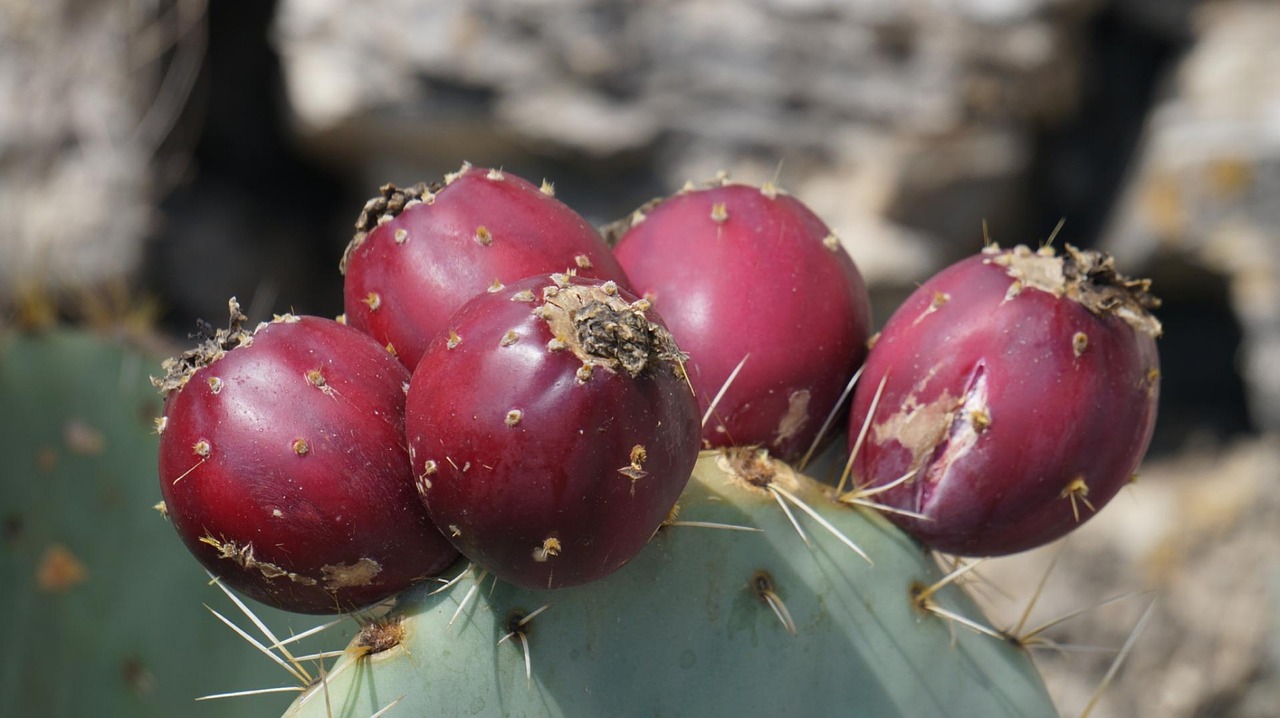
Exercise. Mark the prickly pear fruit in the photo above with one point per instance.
(551, 429)
(706, 621)
(752, 276)
(283, 467)
(1019, 395)
(419, 253)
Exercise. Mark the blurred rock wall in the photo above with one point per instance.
(903, 124)
(88, 93)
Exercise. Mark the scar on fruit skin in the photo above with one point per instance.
(359, 573)
(796, 417)
(243, 556)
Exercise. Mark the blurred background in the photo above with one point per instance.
(160, 156)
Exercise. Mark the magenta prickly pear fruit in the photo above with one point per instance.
(552, 429)
(419, 253)
(283, 466)
(744, 273)
(1019, 395)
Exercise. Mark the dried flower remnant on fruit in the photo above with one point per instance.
(513, 418)
(1087, 277)
(602, 329)
(213, 346)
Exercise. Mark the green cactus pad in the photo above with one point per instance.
(100, 604)
(695, 626)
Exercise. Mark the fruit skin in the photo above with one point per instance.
(681, 631)
(420, 253)
(544, 460)
(283, 467)
(1022, 388)
(737, 271)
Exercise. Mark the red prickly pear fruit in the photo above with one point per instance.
(743, 272)
(552, 430)
(283, 466)
(1019, 395)
(419, 253)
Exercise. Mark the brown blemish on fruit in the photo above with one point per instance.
(373, 300)
(83, 439)
(301, 447)
(753, 469)
(1087, 277)
(513, 417)
(549, 548)
(584, 373)
(603, 330)
(243, 556)
(202, 448)
(1079, 342)
(379, 635)
(360, 573)
(980, 419)
(483, 236)
(59, 569)
(796, 417)
(511, 337)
